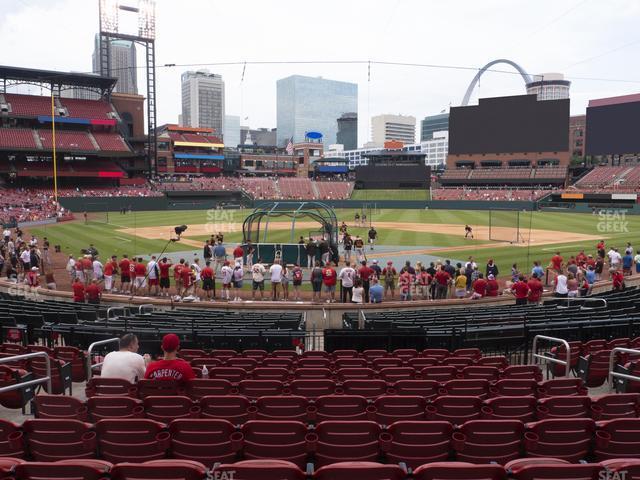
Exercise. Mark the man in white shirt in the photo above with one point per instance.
(25, 256)
(152, 275)
(614, 258)
(276, 278)
(257, 275)
(227, 276)
(6, 234)
(125, 363)
(347, 275)
(98, 270)
(71, 268)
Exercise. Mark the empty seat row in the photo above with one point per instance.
(384, 409)
(411, 442)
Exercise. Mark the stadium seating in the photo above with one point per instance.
(111, 142)
(92, 109)
(17, 138)
(28, 105)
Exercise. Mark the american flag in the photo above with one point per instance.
(289, 147)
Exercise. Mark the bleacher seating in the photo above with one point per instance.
(488, 194)
(66, 140)
(91, 109)
(600, 177)
(295, 188)
(28, 105)
(111, 142)
(17, 138)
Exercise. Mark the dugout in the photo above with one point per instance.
(393, 169)
(274, 228)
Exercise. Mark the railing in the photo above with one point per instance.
(560, 341)
(37, 381)
(363, 320)
(91, 366)
(584, 299)
(612, 359)
(145, 306)
(115, 309)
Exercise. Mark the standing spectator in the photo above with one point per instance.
(377, 271)
(617, 279)
(431, 270)
(153, 275)
(537, 270)
(636, 261)
(316, 281)
(45, 251)
(375, 291)
(177, 276)
(227, 278)
(25, 257)
(238, 254)
(520, 290)
(365, 273)
(311, 249)
(460, 283)
(257, 279)
(357, 292)
(207, 252)
(87, 267)
(78, 290)
(615, 259)
(188, 277)
(165, 283)
(557, 263)
(515, 274)
(140, 270)
(479, 287)
(424, 283)
(125, 275)
(285, 282)
(220, 255)
(94, 293)
(347, 242)
(296, 276)
(535, 289)
(207, 280)
(325, 252)
(71, 268)
(600, 248)
(276, 279)
(572, 285)
(347, 276)
(492, 268)
(442, 279)
(373, 235)
(627, 262)
(561, 289)
(389, 274)
(125, 363)
(329, 281)
(599, 267)
(358, 244)
(493, 289)
(31, 278)
(108, 275)
(404, 284)
(170, 367)
(251, 250)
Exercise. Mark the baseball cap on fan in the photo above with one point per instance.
(170, 342)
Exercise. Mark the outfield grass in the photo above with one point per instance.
(73, 236)
(382, 194)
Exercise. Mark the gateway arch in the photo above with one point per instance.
(525, 76)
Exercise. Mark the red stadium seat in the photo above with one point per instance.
(282, 440)
(290, 354)
(164, 409)
(367, 388)
(456, 410)
(233, 408)
(7, 466)
(438, 353)
(312, 373)
(393, 408)
(593, 346)
(315, 354)
(257, 354)
(189, 354)
(77, 358)
(523, 372)
(232, 374)
(340, 441)
(59, 406)
(619, 438)
(562, 386)
(473, 353)
(560, 353)
(104, 407)
(344, 354)
(110, 386)
(199, 362)
(223, 354)
(86, 469)
(372, 354)
(405, 353)
(200, 387)
(12, 376)
(132, 440)
(513, 387)
(458, 362)
(488, 441)
(347, 362)
(359, 471)
(471, 388)
(594, 368)
(270, 373)
(312, 388)
(481, 372)
(385, 362)
(459, 471)
(281, 408)
(52, 440)
(207, 441)
(245, 363)
(159, 469)
(553, 471)
(394, 374)
(423, 388)
(282, 362)
(618, 405)
(260, 470)
(421, 362)
(11, 440)
(440, 373)
(61, 377)
(510, 408)
(625, 467)
(564, 407)
(566, 439)
(158, 388)
(340, 407)
(416, 443)
(344, 374)
(499, 361)
(257, 388)
(314, 362)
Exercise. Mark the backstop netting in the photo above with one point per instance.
(506, 226)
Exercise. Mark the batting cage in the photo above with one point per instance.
(509, 226)
(275, 230)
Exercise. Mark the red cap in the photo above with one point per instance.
(170, 342)
(389, 262)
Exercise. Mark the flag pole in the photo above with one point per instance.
(53, 137)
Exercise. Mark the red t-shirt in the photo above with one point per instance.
(108, 269)
(365, 273)
(185, 273)
(78, 291)
(87, 264)
(93, 291)
(177, 271)
(328, 276)
(535, 287)
(520, 289)
(492, 288)
(164, 269)
(556, 261)
(176, 369)
(140, 270)
(442, 277)
(238, 252)
(124, 267)
(617, 279)
(207, 272)
(480, 286)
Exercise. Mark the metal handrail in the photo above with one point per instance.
(145, 306)
(612, 357)
(560, 341)
(111, 309)
(91, 366)
(37, 381)
(364, 320)
(584, 299)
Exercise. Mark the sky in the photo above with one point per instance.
(594, 43)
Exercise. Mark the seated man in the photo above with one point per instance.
(170, 367)
(125, 363)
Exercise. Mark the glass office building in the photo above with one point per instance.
(433, 123)
(312, 104)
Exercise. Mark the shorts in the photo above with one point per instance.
(108, 282)
(390, 285)
(237, 284)
(125, 279)
(461, 292)
(207, 284)
(257, 285)
(317, 286)
(226, 285)
(153, 282)
(329, 288)
(80, 275)
(297, 283)
(139, 282)
(164, 283)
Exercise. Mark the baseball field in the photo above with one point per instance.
(424, 235)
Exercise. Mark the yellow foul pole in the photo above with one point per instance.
(53, 137)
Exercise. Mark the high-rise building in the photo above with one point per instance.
(312, 104)
(231, 134)
(433, 123)
(203, 100)
(385, 128)
(261, 137)
(348, 131)
(549, 86)
(123, 64)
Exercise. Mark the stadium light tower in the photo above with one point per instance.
(110, 29)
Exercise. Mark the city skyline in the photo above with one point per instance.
(541, 40)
